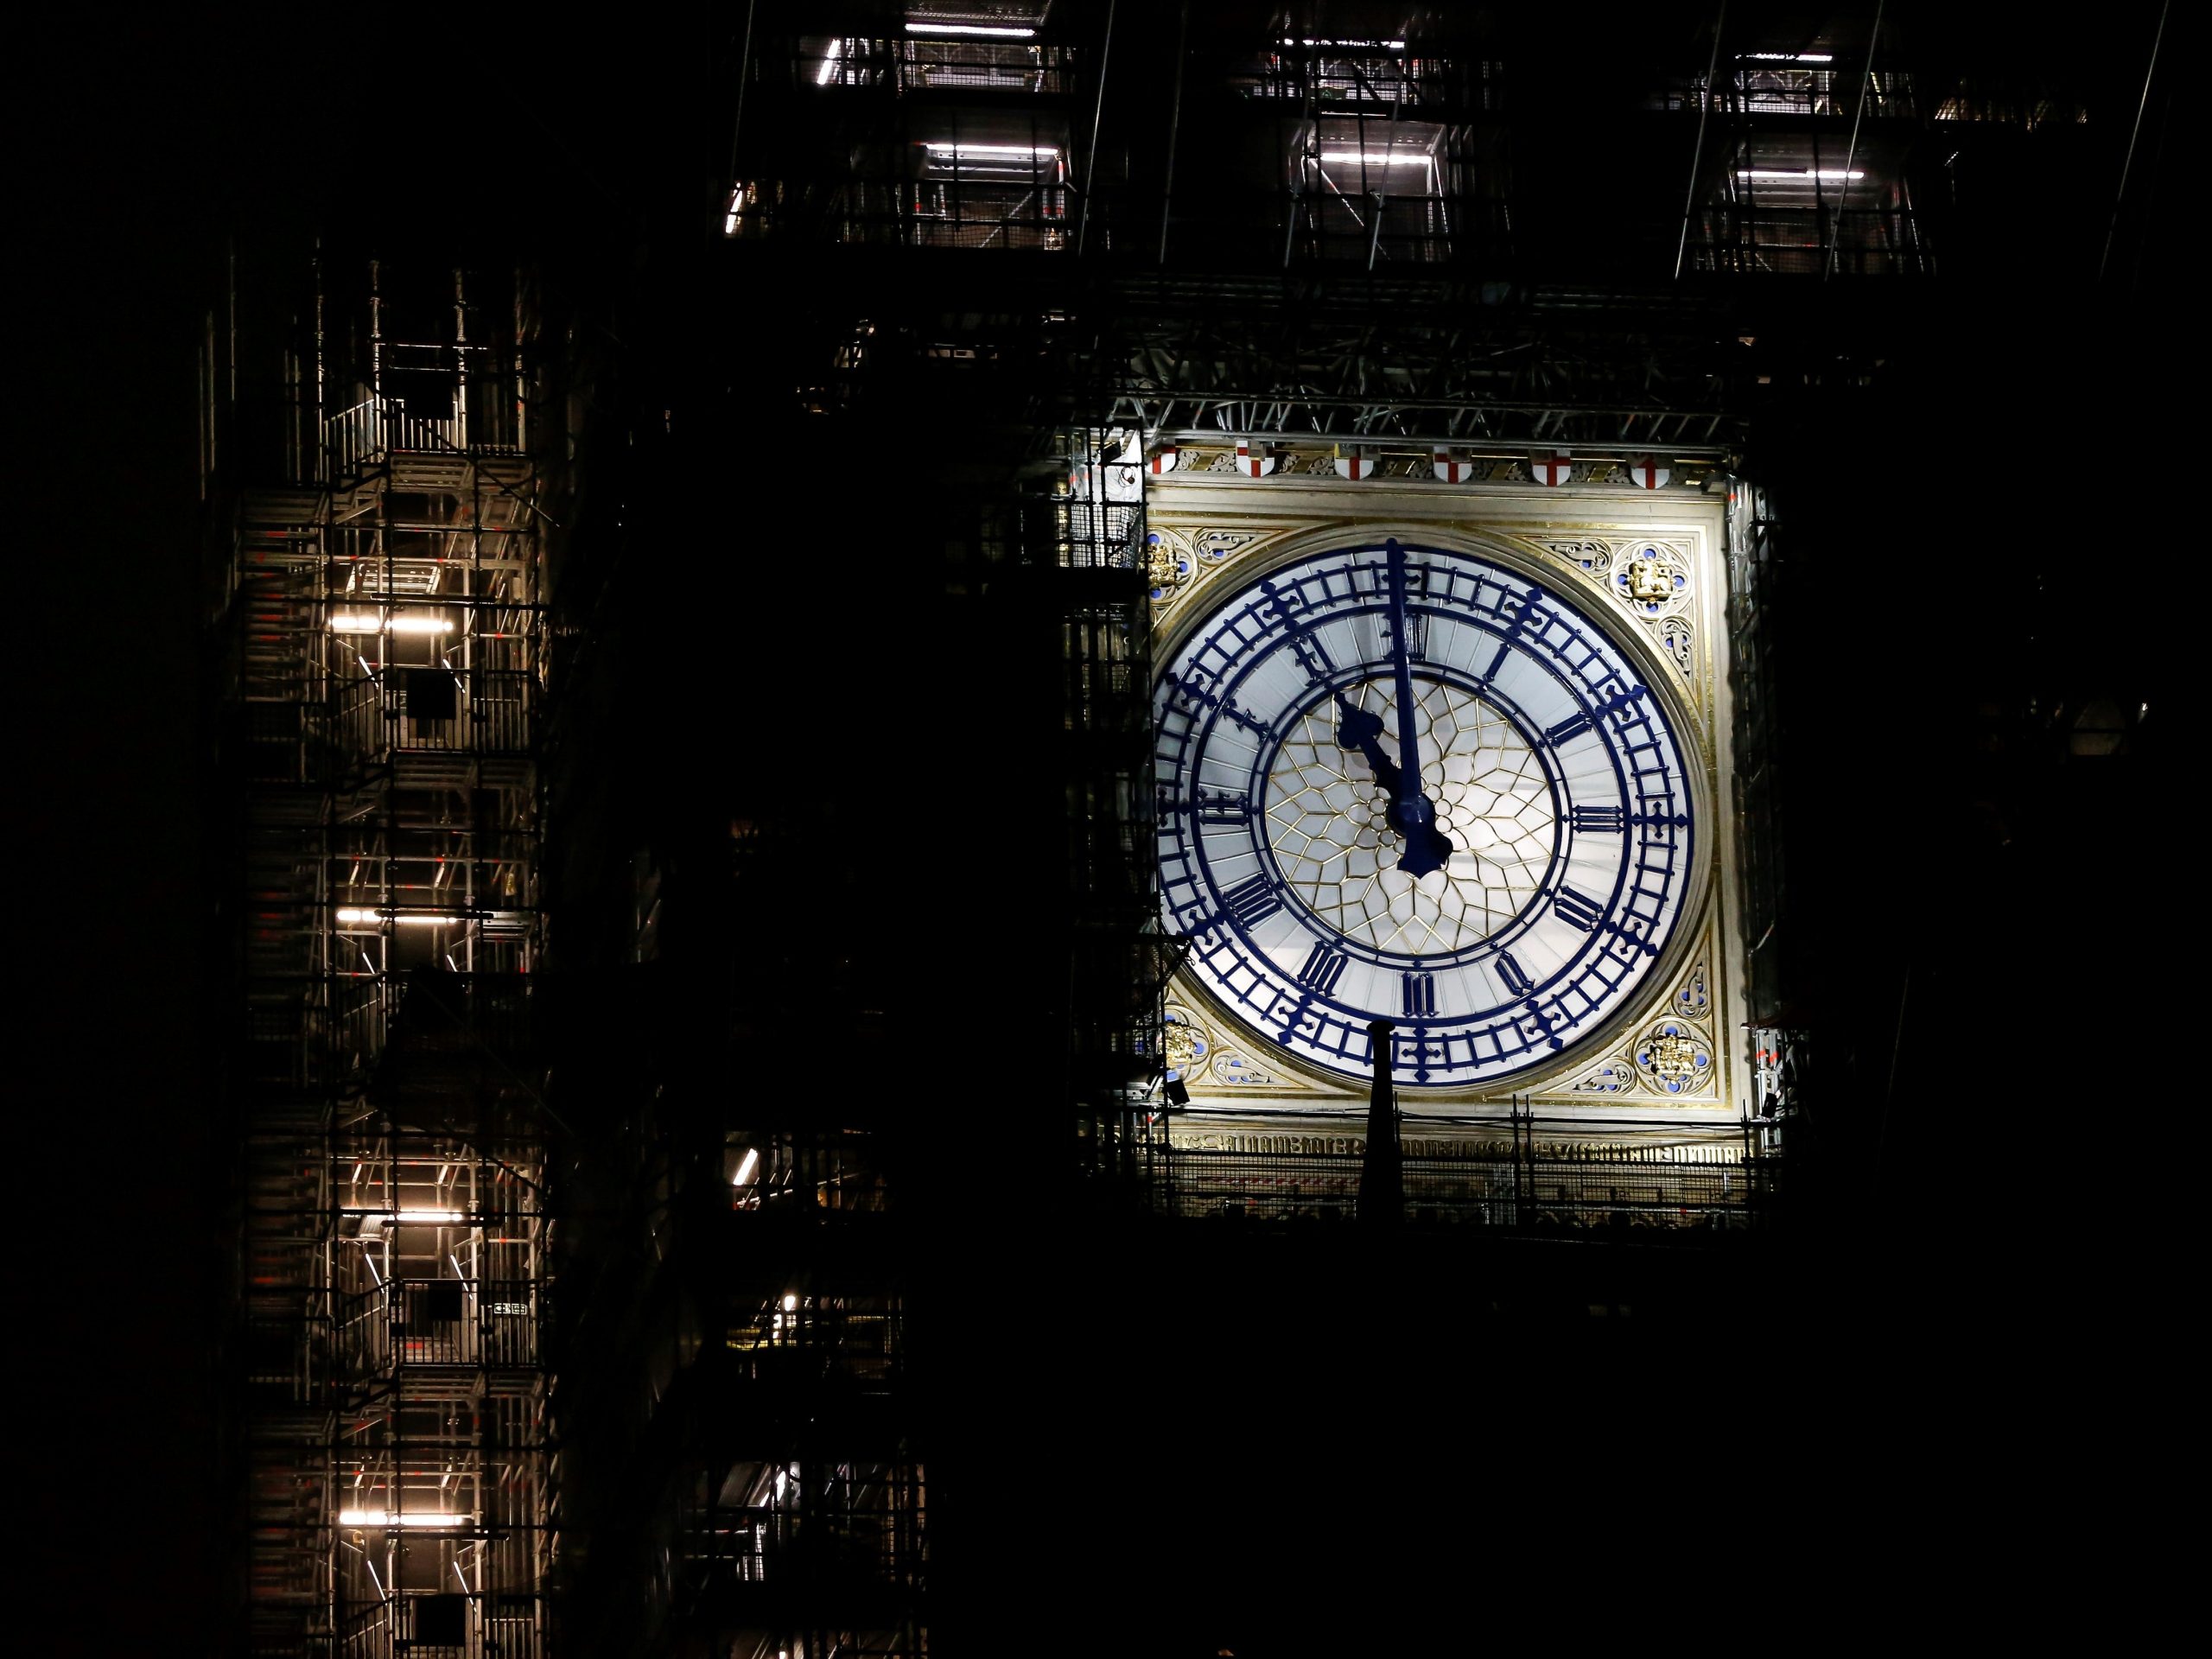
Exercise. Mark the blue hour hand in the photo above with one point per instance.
(1356, 729)
(1409, 812)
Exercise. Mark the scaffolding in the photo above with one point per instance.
(1558, 1180)
(738, 1345)
(990, 137)
(783, 1430)
(958, 142)
(1822, 155)
(1812, 165)
(1017, 253)
(382, 613)
(1753, 579)
(1448, 148)
(802, 1515)
(1279, 251)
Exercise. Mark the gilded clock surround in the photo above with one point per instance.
(1649, 567)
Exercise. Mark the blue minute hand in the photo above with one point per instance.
(1411, 812)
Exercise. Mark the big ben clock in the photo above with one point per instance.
(1422, 783)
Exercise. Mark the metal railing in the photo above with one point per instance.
(1337, 75)
(1799, 89)
(489, 1323)
(854, 1347)
(439, 710)
(1750, 238)
(803, 1175)
(959, 214)
(445, 1625)
(866, 1526)
(359, 438)
(1042, 67)
(1527, 1193)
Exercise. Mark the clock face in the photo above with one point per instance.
(1501, 896)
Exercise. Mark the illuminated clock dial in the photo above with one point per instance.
(1415, 783)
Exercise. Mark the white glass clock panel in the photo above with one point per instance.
(1549, 779)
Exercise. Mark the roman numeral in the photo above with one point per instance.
(1417, 995)
(1323, 968)
(1509, 970)
(1573, 726)
(1416, 634)
(1576, 911)
(1250, 900)
(1597, 817)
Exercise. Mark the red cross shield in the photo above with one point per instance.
(1359, 464)
(1645, 472)
(1452, 465)
(1551, 467)
(1163, 460)
(1254, 459)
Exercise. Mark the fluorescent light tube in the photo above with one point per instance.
(405, 1215)
(384, 1518)
(1377, 158)
(1028, 152)
(361, 622)
(984, 29)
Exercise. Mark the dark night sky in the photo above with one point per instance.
(117, 1269)
(130, 139)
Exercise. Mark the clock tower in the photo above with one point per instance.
(1017, 830)
(1445, 738)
